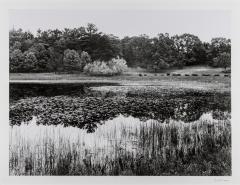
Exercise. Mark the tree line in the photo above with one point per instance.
(70, 50)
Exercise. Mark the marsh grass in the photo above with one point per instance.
(123, 146)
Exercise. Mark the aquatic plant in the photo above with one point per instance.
(123, 146)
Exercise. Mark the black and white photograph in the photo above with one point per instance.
(119, 92)
(129, 93)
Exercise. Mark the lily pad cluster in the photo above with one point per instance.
(88, 112)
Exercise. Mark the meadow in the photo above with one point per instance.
(153, 124)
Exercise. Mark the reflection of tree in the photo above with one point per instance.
(87, 112)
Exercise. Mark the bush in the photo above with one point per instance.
(84, 59)
(117, 65)
(194, 74)
(101, 68)
(187, 75)
(140, 74)
(227, 71)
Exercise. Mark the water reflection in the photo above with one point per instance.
(45, 146)
(79, 106)
(23, 90)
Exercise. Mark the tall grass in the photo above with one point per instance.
(123, 146)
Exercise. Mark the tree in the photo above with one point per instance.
(163, 51)
(55, 62)
(16, 45)
(19, 36)
(16, 58)
(42, 55)
(91, 29)
(30, 62)
(223, 60)
(164, 48)
(71, 61)
(137, 51)
(185, 45)
(220, 45)
(159, 64)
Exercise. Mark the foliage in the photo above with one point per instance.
(16, 58)
(87, 112)
(112, 67)
(85, 58)
(71, 60)
(223, 60)
(202, 147)
(159, 65)
(138, 51)
(98, 68)
(178, 141)
(30, 61)
(117, 65)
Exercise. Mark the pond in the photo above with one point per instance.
(82, 129)
(23, 90)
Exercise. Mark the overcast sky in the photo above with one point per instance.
(205, 24)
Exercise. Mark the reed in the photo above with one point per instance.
(123, 146)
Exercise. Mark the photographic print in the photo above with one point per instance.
(119, 92)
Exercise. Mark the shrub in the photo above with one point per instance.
(101, 68)
(216, 75)
(168, 74)
(145, 74)
(205, 74)
(140, 74)
(227, 71)
(117, 65)
(84, 59)
(194, 74)
(187, 75)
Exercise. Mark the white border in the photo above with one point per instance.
(231, 5)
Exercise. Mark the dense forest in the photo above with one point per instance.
(72, 50)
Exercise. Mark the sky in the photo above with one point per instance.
(206, 24)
